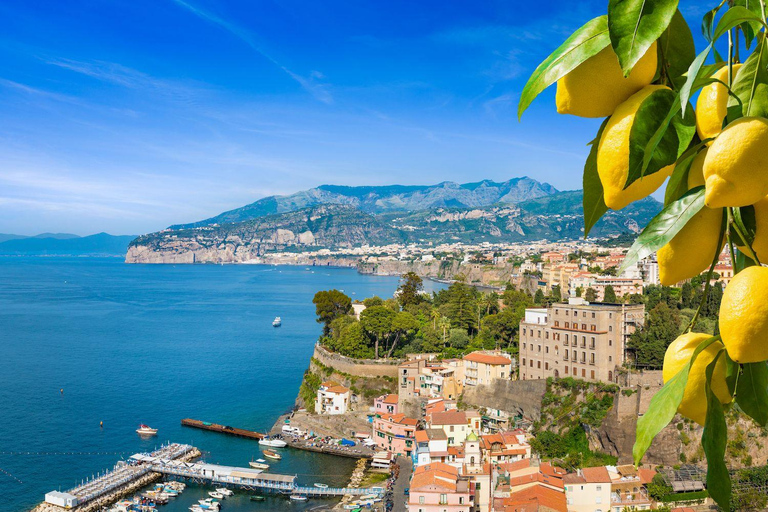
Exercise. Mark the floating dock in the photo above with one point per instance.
(175, 461)
(222, 429)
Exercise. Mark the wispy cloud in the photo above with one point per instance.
(310, 84)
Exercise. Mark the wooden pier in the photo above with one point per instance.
(222, 429)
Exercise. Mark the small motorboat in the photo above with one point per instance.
(224, 491)
(273, 442)
(216, 494)
(144, 430)
(277, 322)
(209, 503)
(270, 454)
(298, 497)
(259, 464)
(321, 486)
(256, 497)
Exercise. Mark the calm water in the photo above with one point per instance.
(134, 344)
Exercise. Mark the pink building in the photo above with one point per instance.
(438, 487)
(395, 433)
(385, 404)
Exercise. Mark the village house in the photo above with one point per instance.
(482, 368)
(504, 447)
(332, 398)
(386, 404)
(608, 489)
(438, 487)
(395, 433)
(456, 424)
(526, 487)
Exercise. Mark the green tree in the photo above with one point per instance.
(590, 295)
(686, 295)
(609, 295)
(461, 307)
(409, 291)
(377, 321)
(373, 301)
(330, 305)
(555, 295)
(458, 338)
(353, 342)
(651, 341)
(579, 291)
(403, 324)
(538, 297)
(658, 487)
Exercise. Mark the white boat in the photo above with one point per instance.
(208, 503)
(275, 443)
(277, 322)
(144, 430)
(271, 454)
(321, 486)
(217, 495)
(224, 491)
(259, 464)
(298, 497)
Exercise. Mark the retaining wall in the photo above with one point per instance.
(357, 367)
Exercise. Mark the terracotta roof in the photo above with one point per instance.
(511, 467)
(436, 474)
(437, 434)
(449, 418)
(337, 389)
(646, 475)
(400, 418)
(573, 478)
(390, 399)
(596, 475)
(421, 436)
(479, 357)
(535, 498)
(329, 384)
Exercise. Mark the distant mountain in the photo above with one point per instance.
(7, 236)
(552, 217)
(67, 245)
(386, 199)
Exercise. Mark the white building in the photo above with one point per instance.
(332, 399)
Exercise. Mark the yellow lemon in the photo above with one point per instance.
(597, 86)
(692, 250)
(613, 156)
(696, 172)
(712, 104)
(736, 165)
(744, 316)
(679, 352)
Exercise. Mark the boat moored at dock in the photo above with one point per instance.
(273, 442)
(271, 454)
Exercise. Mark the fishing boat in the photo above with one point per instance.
(257, 498)
(144, 430)
(275, 443)
(277, 322)
(321, 486)
(259, 464)
(270, 454)
(224, 491)
(298, 497)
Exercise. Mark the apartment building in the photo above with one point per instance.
(577, 339)
(482, 368)
(608, 489)
(438, 487)
(395, 433)
(332, 399)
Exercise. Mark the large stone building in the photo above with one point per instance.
(577, 339)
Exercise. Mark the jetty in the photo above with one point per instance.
(176, 461)
(222, 429)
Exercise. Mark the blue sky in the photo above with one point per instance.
(126, 116)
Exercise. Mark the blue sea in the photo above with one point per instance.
(153, 344)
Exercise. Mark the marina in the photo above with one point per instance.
(222, 429)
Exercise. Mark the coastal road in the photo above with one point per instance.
(403, 479)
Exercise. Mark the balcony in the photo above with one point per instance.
(629, 498)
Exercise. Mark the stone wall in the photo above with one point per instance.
(357, 367)
(512, 396)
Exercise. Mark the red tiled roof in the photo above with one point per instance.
(421, 436)
(436, 474)
(646, 475)
(596, 475)
(535, 498)
(479, 357)
(390, 399)
(400, 418)
(449, 418)
(337, 389)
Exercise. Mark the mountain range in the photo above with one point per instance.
(64, 244)
(334, 217)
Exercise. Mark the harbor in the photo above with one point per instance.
(222, 429)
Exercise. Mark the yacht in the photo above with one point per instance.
(274, 443)
(259, 464)
(216, 495)
(277, 322)
(144, 430)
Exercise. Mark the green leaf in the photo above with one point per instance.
(586, 42)
(752, 392)
(594, 204)
(665, 145)
(732, 369)
(663, 406)
(733, 17)
(664, 226)
(692, 76)
(714, 440)
(634, 25)
(750, 29)
(708, 24)
(742, 261)
(678, 182)
(677, 48)
(745, 220)
(750, 86)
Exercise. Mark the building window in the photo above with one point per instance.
(593, 314)
(461, 500)
(538, 363)
(567, 325)
(546, 334)
(610, 358)
(610, 328)
(599, 488)
(594, 327)
(443, 499)
(539, 348)
(421, 500)
(546, 366)
(583, 327)
(566, 312)
(557, 324)
(451, 429)
(523, 361)
(583, 373)
(610, 343)
(593, 374)
(531, 363)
